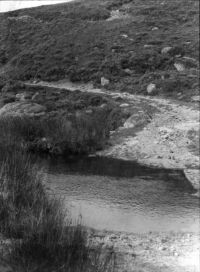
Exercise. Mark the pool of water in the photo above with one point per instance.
(124, 196)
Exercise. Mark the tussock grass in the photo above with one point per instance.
(42, 236)
(78, 133)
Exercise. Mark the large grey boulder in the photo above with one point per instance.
(22, 108)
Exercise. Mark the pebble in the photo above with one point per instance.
(89, 111)
(124, 35)
(179, 67)
(128, 71)
(124, 105)
(154, 28)
(148, 45)
(166, 49)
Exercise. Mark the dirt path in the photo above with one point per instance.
(167, 137)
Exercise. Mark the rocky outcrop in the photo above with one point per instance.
(22, 108)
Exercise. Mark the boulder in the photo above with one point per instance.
(151, 89)
(128, 71)
(173, 51)
(166, 50)
(124, 36)
(104, 81)
(22, 108)
(154, 28)
(179, 67)
(195, 98)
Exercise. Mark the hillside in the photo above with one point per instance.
(129, 42)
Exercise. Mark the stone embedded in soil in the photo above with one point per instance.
(179, 67)
(104, 81)
(22, 109)
(154, 28)
(124, 105)
(151, 88)
(166, 49)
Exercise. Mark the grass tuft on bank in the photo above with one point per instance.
(75, 134)
(41, 233)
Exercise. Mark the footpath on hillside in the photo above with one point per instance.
(159, 132)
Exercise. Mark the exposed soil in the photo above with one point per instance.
(149, 252)
(152, 252)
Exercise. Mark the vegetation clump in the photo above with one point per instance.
(70, 122)
(42, 236)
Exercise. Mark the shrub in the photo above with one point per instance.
(78, 133)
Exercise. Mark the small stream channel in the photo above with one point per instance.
(121, 195)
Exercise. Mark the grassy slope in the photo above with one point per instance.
(76, 40)
(74, 122)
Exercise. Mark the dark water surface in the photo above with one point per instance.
(124, 196)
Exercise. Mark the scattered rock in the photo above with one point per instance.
(89, 111)
(162, 248)
(104, 81)
(124, 105)
(166, 50)
(179, 67)
(128, 71)
(103, 105)
(151, 89)
(113, 236)
(148, 45)
(124, 36)
(195, 98)
(22, 96)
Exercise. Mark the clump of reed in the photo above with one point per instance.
(41, 233)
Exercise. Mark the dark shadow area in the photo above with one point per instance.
(103, 166)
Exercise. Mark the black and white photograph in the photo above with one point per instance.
(99, 136)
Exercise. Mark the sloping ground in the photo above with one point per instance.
(153, 252)
(165, 141)
(81, 40)
(150, 252)
(159, 132)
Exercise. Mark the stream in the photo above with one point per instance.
(116, 195)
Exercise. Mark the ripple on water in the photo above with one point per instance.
(123, 196)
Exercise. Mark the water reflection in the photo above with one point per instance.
(119, 195)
